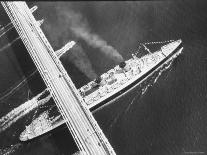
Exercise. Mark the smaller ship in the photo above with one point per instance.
(109, 86)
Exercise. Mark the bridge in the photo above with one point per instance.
(86, 132)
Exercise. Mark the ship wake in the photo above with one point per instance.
(22, 110)
(10, 150)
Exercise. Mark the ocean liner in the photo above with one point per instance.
(109, 86)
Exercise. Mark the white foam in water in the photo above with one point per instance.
(3, 33)
(17, 113)
(9, 150)
(9, 44)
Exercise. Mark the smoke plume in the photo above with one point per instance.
(97, 42)
(79, 58)
(64, 24)
(79, 26)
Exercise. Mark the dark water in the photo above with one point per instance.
(170, 118)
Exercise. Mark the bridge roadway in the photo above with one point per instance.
(82, 125)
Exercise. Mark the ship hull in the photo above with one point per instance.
(117, 95)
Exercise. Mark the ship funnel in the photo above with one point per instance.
(98, 80)
(122, 64)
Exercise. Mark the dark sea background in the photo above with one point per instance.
(168, 119)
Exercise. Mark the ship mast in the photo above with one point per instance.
(85, 130)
